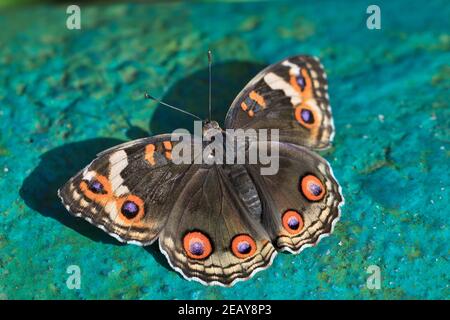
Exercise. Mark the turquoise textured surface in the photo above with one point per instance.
(67, 94)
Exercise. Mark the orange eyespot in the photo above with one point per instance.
(292, 222)
(197, 245)
(243, 246)
(97, 189)
(130, 208)
(312, 188)
(302, 84)
(305, 116)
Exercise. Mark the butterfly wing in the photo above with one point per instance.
(127, 190)
(290, 96)
(210, 236)
(301, 202)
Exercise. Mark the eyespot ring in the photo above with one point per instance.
(305, 116)
(197, 245)
(292, 222)
(100, 197)
(306, 89)
(131, 201)
(312, 188)
(243, 246)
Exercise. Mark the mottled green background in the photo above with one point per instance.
(65, 95)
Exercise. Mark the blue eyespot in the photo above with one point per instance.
(95, 186)
(197, 245)
(301, 82)
(315, 189)
(196, 248)
(293, 223)
(312, 188)
(307, 116)
(244, 247)
(130, 209)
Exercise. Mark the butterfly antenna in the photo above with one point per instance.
(147, 96)
(209, 69)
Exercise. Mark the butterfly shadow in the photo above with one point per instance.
(191, 94)
(39, 189)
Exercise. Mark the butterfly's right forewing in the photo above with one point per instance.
(291, 96)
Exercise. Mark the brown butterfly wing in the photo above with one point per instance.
(208, 212)
(127, 190)
(290, 96)
(301, 202)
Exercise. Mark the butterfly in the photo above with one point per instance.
(222, 223)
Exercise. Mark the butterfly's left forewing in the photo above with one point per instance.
(127, 190)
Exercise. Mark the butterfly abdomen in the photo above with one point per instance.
(246, 189)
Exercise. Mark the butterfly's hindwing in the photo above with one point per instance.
(301, 201)
(211, 237)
